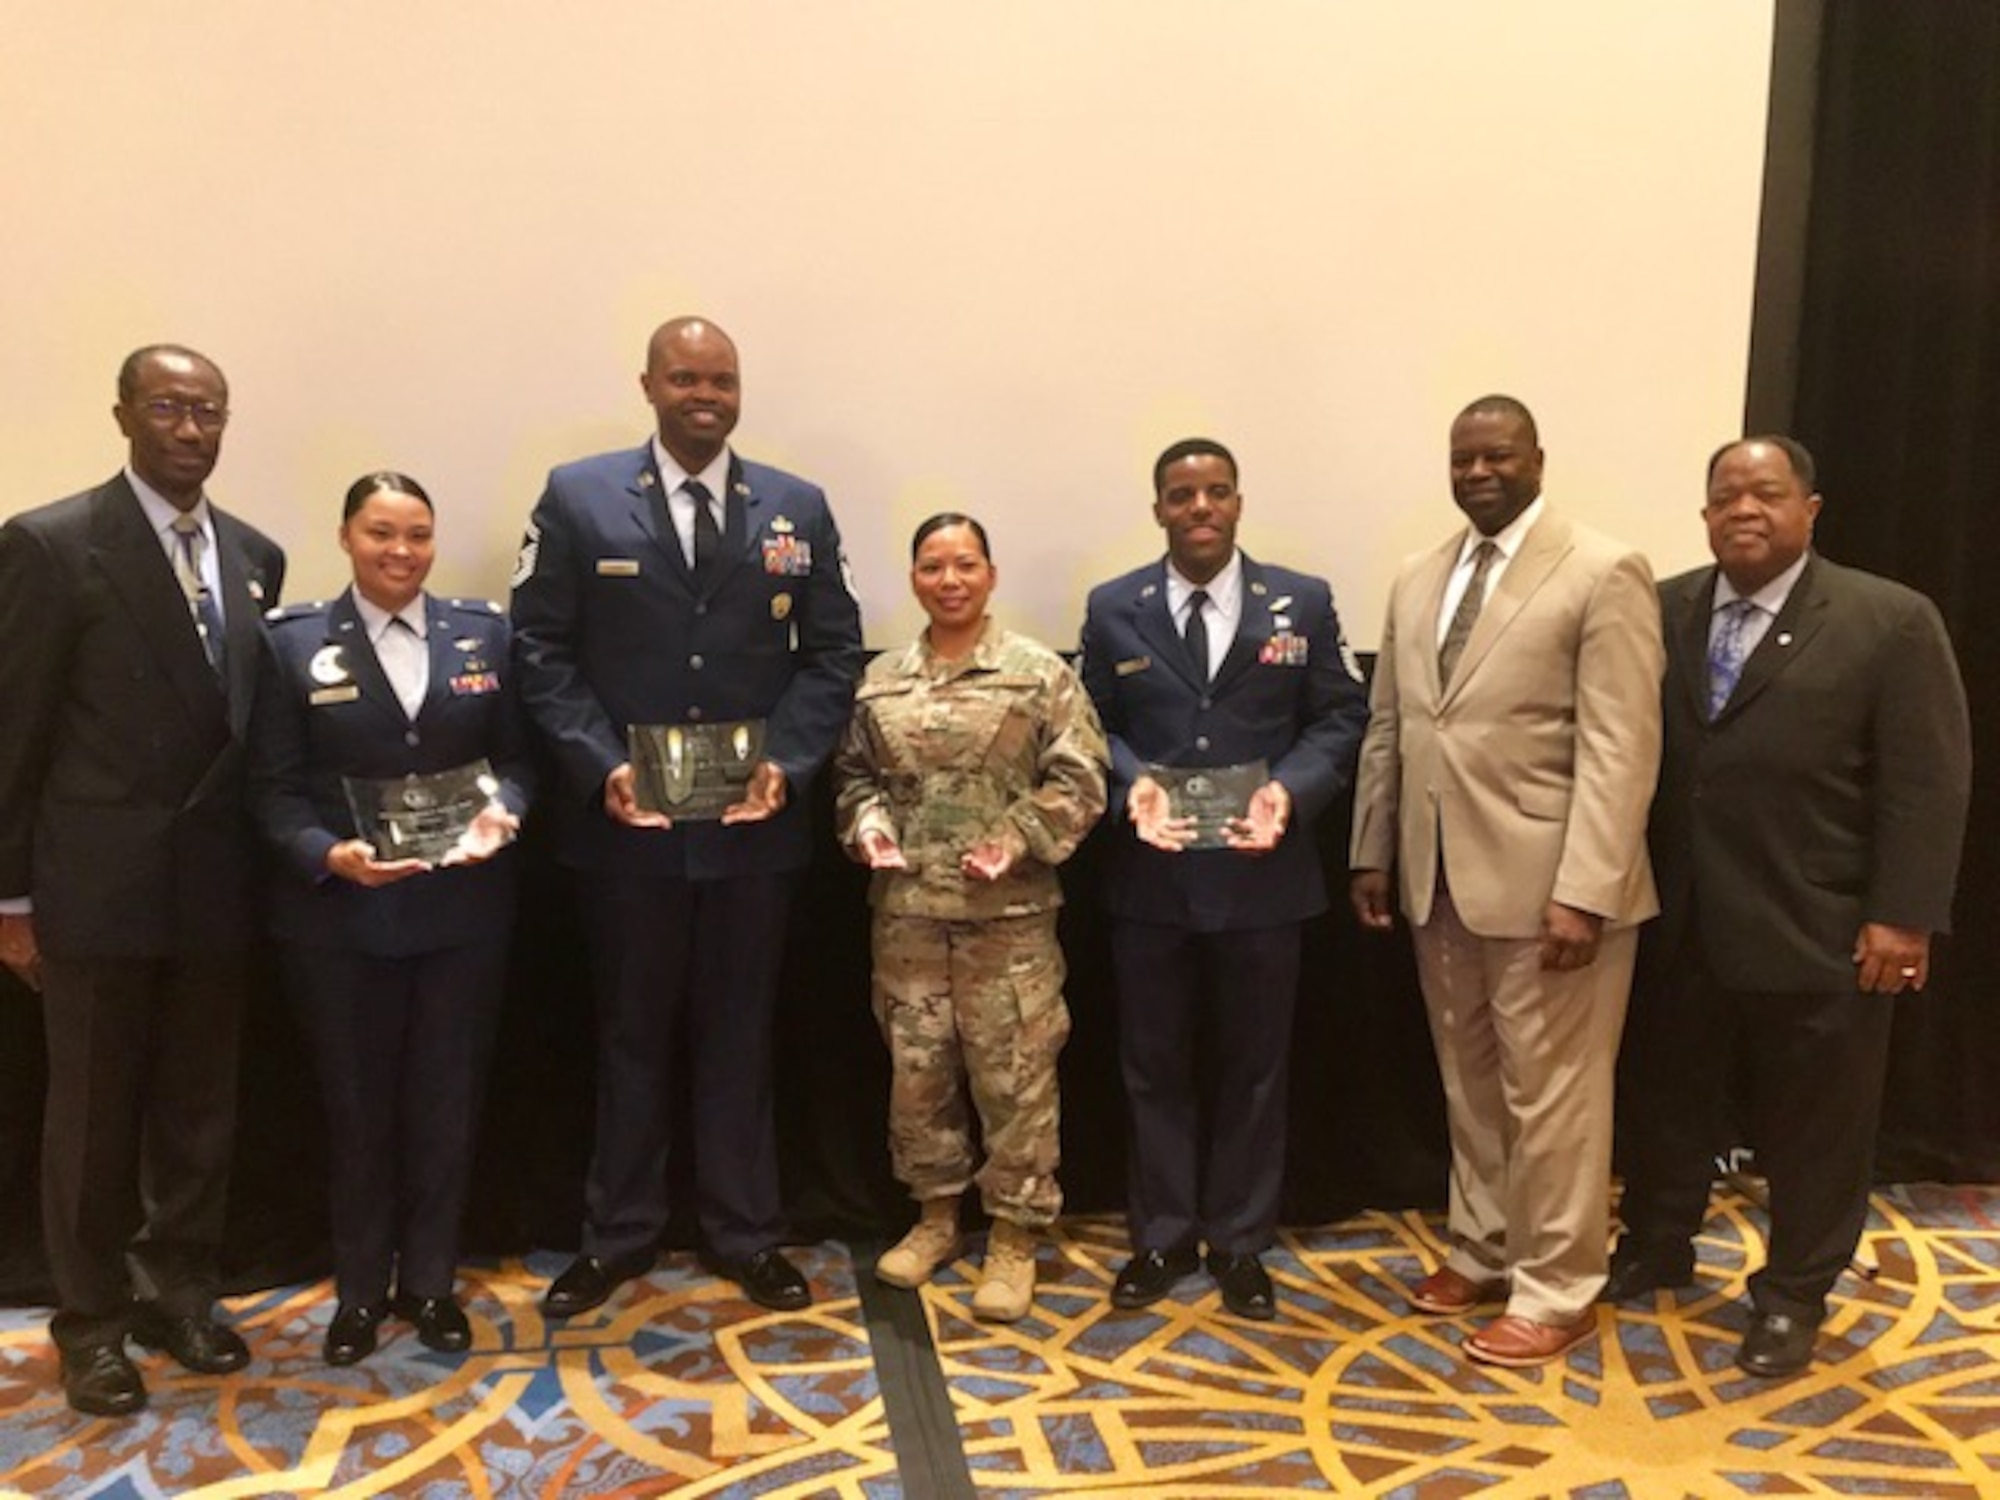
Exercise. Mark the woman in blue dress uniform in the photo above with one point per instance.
(396, 959)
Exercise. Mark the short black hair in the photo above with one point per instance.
(382, 479)
(128, 372)
(1505, 406)
(946, 518)
(1195, 447)
(1796, 454)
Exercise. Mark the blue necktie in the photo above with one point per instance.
(1727, 651)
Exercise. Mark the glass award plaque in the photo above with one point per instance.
(691, 772)
(420, 817)
(1212, 795)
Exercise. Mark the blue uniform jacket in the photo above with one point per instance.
(325, 710)
(611, 630)
(1288, 693)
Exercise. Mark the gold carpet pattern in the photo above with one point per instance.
(1347, 1394)
(681, 1387)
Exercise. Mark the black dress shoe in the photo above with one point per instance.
(1150, 1275)
(100, 1381)
(195, 1340)
(350, 1337)
(1246, 1289)
(767, 1278)
(1777, 1344)
(589, 1282)
(1636, 1277)
(440, 1322)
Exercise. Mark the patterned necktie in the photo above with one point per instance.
(188, 544)
(707, 535)
(1728, 649)
(1469, 604)
(1196, 633)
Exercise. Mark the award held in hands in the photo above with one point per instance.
(691, 772)
(420, 817)
(1214, 796)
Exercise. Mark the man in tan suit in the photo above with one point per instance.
(1505, 778)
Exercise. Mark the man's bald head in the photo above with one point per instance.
(692, 383)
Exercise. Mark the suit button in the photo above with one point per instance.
(411, 737)
(701, 607)
(694, 716)
(1207, 703)
(694, 662)
(1201, 742)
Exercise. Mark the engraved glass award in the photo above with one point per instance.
(420, 817)
(691, 772)
(1213, 796)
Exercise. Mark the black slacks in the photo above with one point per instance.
(137, 1136)
(695, 962)
(1812, 1067)
(1216, 1004)
(402, 1047)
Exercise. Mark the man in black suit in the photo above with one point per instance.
(131, 620)
(676, 584)
(1806, 837)
(1207, 658)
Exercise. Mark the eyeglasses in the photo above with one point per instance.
(165, 412)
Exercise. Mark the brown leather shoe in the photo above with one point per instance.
(1521, 1343)
(1449, 1295)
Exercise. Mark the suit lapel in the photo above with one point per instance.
(648, 494)
(1545, 545)
(242, 610)
(1797, 623)
(1688, 631)
(443, 654)
(743, 516)
(1154, 624)
(130, 556)
(357, 653)
(1253, 626)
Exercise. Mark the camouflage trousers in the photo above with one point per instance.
(974, 1009)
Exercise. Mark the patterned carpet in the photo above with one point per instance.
(682, 1388)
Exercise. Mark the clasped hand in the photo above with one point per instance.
(1257, 832)
(491, 830)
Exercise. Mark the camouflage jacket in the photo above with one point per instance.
(1001, 744)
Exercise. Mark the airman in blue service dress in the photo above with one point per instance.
(398, 986)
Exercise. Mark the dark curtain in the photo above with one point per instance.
(1899, 399)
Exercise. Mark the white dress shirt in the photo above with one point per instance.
(1225, 606)
(1506, 542)
(680, 504)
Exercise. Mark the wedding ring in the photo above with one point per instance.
(1909, 973)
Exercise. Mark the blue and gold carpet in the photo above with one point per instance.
(680, 1387)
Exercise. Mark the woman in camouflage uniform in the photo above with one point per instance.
(973, 766)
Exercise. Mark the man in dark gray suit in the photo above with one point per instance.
(131, 620)
(1805, 837)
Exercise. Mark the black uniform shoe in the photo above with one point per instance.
(1246, 1288)
(589, 1282)
(101, 1382)
(1150, 1275)
(1637, 1277)
(350, 1337)
(440, 1322)
(1777, 1344)
(767, 1278)
(195, 1340)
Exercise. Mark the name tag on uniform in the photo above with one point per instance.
(1132, 664)
(618, 567)
(345, 692)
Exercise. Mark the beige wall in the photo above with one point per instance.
(989, 257)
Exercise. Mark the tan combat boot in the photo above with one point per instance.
(932, 1241)
(1007, 1289)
